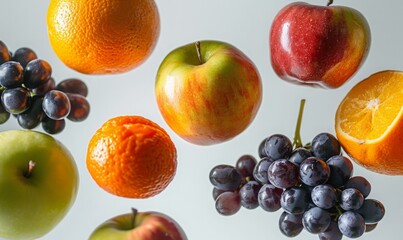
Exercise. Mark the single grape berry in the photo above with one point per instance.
(360, 183)
(32, 117)
(351, 199)
(249, 195)
(299, 155)
(11, 74)
(295, 200)
(36, 73)
(290, 224)
(325, 145)
(245, 165)
(56, 105)
(261, 151)
(24, 55)
(73, 85)
(228, 203)
(316, 220)
(16, 100)
(52, 126)
(269, 198)
(260, 170)
(351, 224)
(283, 173)
(79, 107)
(314, 171)
(4, 53)
(225, 177)
(372, 211)
(341, 170)
(324, 196)
(278, 146)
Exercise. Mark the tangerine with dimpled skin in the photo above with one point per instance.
(103, 36)
(369, 122)
(132, 157)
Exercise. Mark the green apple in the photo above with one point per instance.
(208, 92)
(139, 226)
(38, 183)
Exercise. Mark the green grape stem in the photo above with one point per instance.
(297, 136)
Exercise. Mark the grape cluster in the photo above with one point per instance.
(29, 92)
(313, 185)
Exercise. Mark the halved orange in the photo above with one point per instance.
(369, 122)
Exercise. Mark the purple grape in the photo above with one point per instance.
(16, 100)
(4, 53)
(324, 196)
(325, 145)
(80, 107)
(314, 171)
(32, 117)
(360, 183)
(351, 224)
(228, 203)
(52, 126)
(269, 198)
(278, 146)
(261, 151)
(217, 192)
(341, 169)
(372, 211)
(351, 199)
(283, 174)
(56, 105)
(260, 170)
(331, 233)
(36, 73)
(73, 85)
(299, 155)
(44, 88)
(11, 74)
(316, 220)
(24, 55)
(225, 177)
(295, 200)
(290, 224)
(245, 165)
(249, 195)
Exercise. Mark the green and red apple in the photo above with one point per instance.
(38, 183)
(139, 226)
(318, 45)
(208, 92)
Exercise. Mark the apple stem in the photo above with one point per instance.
(329, 2)
(297, 136)
(197, 44)
(31, 166)
(133, 219)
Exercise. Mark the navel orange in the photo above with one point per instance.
(131, 156)
(103, 36)
(369, 122)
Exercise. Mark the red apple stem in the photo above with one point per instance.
(329, 2)
(31, 166)
(297, 136)
(133, 218)
(197, 44)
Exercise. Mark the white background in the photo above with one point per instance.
(187, 199)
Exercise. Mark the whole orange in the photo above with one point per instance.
(131, 156)
(103, 36)
(369, 122)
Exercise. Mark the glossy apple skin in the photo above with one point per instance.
(212, 101)
(32, 206)
(318, 45)
(147, 226)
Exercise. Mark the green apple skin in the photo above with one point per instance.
(31, 206)
(146, 226)
(209, 100)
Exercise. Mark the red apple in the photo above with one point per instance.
(318, 45)
(139, 226)
(208, 92)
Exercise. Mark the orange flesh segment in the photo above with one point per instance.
(369, 115)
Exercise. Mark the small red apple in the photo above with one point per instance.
(139, 226)
(318, 45)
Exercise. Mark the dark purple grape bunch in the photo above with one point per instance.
(313, 185)
(29, 92)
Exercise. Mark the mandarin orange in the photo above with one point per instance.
(131, 156)
(103, 36)
(369, 122)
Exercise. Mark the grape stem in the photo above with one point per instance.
(297, 136)
(329, 2)
(197, 44)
